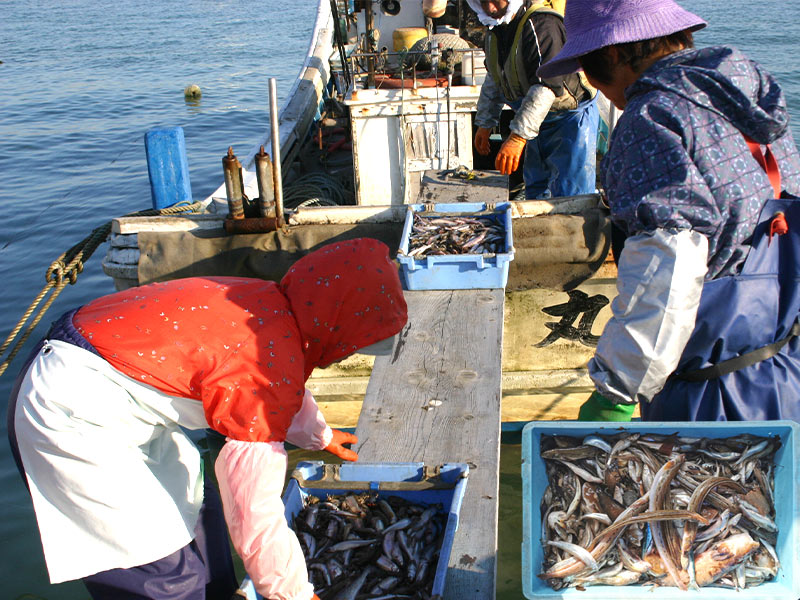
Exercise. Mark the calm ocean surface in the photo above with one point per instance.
(81, 82)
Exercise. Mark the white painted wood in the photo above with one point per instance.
(393, 102)
(563, 205)
(123, 228)
(321, 215)
(377, 153)
(399, 132)
(187, 222)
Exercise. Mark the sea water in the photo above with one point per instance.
(81, 81)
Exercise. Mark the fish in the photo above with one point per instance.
(751, 512)
(352, 590)
(351, 553)
(723, 557)
(457, 234)
(695, 501)
(658, 495)
(582, 554)
(650, 509)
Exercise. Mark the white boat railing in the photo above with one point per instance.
(296, 113)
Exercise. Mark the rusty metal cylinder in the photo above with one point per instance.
(233, 184)
(266, 189)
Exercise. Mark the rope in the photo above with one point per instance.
(65, 269)
(314, 186)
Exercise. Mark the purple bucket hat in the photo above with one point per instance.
(593, 24)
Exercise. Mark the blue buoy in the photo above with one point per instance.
(167, 166)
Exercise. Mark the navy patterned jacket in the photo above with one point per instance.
(678, 158)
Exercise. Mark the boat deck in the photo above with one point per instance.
(436, 400)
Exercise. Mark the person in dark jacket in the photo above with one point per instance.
(556, 118)
(702, 176)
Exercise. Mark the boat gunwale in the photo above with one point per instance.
(315, 69)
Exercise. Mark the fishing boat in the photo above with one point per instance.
(380, 117)
(378, 123)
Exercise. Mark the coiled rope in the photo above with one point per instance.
(317, 189)
(65, 269)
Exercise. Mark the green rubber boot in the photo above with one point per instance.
(599, 408)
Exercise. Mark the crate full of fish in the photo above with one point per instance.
(661, 510)
(375, 530)
(456, 246)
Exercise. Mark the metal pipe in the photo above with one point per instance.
(277, 177)
(266, 194)
(252, 225)
(232, 170)
(369, 25)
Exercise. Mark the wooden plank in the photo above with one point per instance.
(182, 222)
(436, 399)
(566, 381)
(341, 412)
(442, 186)
(561, 205)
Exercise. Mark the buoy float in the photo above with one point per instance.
(406, 37)
(192, 91)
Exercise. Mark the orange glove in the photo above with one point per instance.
(507, 159)
(314, 597)
(336, 447)
(482, 140)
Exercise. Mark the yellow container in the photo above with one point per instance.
(404, 37)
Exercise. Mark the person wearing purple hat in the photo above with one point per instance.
(701, 177)
(554, 129)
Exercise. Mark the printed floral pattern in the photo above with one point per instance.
(678, 158)
(245, 347)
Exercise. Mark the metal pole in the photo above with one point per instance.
(369, 24)
(276, 151)
(266, 193)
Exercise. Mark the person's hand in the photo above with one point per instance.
(336, 446)
(482, 140)
(314, 597)
(599, 408)
(507, 159)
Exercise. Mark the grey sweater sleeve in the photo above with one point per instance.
(535, 106)
(659, 282)
(490, 104)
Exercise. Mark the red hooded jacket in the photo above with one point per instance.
(245, 347)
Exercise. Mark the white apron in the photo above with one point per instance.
(115, 481)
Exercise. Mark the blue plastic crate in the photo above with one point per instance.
(456, 271)
(414, 482)
(786, 586)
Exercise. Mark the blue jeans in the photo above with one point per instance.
(561, 160)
